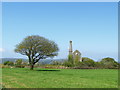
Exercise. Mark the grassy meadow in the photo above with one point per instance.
(59, 78)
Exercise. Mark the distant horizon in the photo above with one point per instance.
(55, 59)
(92, 26)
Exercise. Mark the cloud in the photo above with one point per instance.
(1, 50)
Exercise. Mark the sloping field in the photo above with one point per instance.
(56, 78)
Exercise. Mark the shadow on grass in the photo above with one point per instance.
(47, 70)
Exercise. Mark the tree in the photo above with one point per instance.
(36, 47)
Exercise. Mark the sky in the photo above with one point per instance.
(92, 27)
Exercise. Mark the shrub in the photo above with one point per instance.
(98, 65)
(109, 63)
(68, 64)
(18, 62)
(70, 59)
(9, 63)
(76, 60)
(56, 63)
(5, 63)
(24, 63)
(88, 62)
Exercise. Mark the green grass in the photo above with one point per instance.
(64, 78)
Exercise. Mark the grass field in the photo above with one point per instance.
(56, 78)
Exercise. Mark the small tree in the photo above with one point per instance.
(36, 47)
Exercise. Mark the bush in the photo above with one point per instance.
(24, 63)
(98, 65)
(56, 63)
(88, 62)
(109, 63)
(68, 64)
(70, 59)
(18, 61)
(20, 64)
(9, 63)
(5, 63)
(76, 60)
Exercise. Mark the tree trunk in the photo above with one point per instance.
(31, 67)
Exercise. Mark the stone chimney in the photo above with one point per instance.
(70, 48)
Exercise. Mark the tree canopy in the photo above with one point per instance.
(36, 47)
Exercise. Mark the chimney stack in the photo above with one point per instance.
(70, 48)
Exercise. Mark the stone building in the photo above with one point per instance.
(76, 54)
